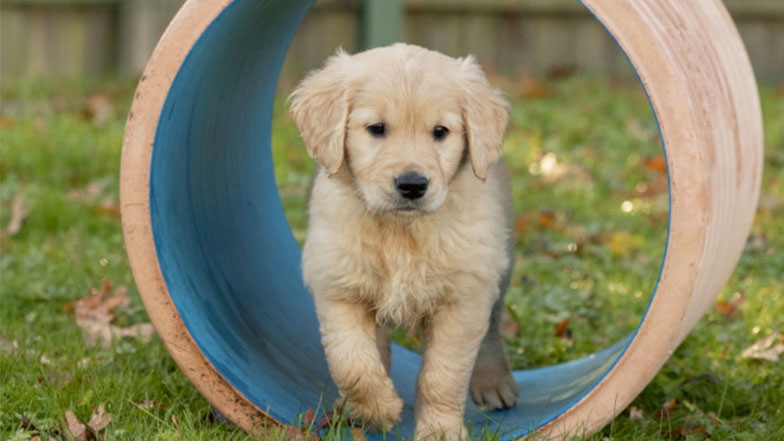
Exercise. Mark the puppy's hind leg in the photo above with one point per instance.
(492, 385)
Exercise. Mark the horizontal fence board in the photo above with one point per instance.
(95, 37)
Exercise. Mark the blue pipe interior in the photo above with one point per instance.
(227, 254)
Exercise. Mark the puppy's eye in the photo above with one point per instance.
(378, 130)
(440, 132)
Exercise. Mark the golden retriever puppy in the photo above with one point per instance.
(410, 226)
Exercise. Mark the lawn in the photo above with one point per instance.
(590, 193)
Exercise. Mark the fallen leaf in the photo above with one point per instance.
(100, 418)
(357, 434)
(293, 433)
(726, 309)
(98, 108)
(74, 427)
(109, 207)
(635, 413)
(657, 164)
(18, 214)
(729, 309)
(27, 424)
(561, 328)
(309, 417)
(547, 219)
(666, 410)
(768, 348)
(6, 122)
(561, 71)
(521, 224)
(94, 314)
(530, 87)
(330, 419)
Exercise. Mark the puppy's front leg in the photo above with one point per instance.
(452, 339)
(348, 333)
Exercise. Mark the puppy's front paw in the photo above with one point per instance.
(380, 412)
(440, 429)
(492, 385)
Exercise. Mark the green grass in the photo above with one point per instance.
(592, 211)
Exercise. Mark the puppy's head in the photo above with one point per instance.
(402, 120)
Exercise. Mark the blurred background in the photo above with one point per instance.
(56, 38)
(589, 184)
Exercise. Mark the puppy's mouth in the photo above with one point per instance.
(408, 206)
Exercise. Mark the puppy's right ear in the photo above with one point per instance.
(319, 106)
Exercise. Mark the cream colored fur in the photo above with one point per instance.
(373, 259)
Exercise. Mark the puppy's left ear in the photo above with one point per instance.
(320, 108)
(485, 114)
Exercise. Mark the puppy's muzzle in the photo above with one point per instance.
(411, 185)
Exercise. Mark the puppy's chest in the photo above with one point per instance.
(404, 277)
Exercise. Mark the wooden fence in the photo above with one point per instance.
(99, 37)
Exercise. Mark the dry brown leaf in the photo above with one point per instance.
(6, 122)
(98, 108)
(109, 207)
(561, 328)
(768, 348)
(730, 309)
(657, 164)
(74, 427)
(666, 410)
(309, 417)
(357, 434)
(635, 413)
(530, 87)
(94, 315)
(99, 418)
(521, 224)
(547, 219)
(18, 214)
(726, 309)
(523, 87)
(561, 71)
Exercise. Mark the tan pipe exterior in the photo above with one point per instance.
(697, 74)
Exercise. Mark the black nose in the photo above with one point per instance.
(411, 185)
